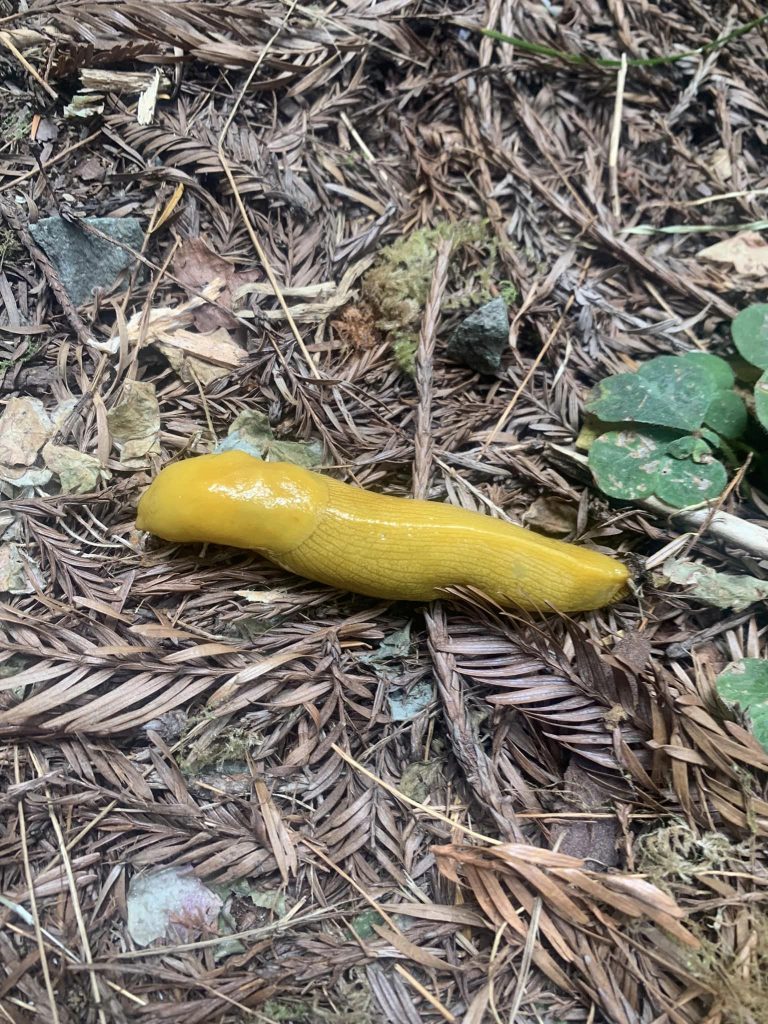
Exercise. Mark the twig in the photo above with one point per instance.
(422, 457)
(668, 309)
(8, 43)
(727, 528)
(443, 1010)
(84, 941)
(32, 898)
(431, 811)
(355, 885)
(476, 764)
(49, 163)
(525, 967)
(716, 506)
(500, 423)
(613, 148)
(241, 205)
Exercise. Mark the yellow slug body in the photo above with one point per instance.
(352, 539)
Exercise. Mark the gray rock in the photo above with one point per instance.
(481, 338)
(85, 262)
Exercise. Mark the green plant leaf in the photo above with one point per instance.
(626, 463)
(711, 436)
(687, 483)
(746, 682)
(718, 369)
(635, 464)
(669, 391)
(688, 447)
(750, 334)
(761, 400)
(727, 414)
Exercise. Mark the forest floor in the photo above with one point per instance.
(230, 794)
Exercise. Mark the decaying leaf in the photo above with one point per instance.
(25, 426)
(134, 424)
(746, 252)
(719, 589)
(196, 265)
(22, 476)
(196, 357)
(550, 515)
(203, 357)
(77, 471)
(406, 704)
(14, 570)
(170, 903)
(251, 432)
(720, 163)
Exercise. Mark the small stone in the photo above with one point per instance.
(84, 261)
(481, 338)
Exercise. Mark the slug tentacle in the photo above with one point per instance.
(394, 548)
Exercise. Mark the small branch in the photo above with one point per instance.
(723, 526)
(8, 43)
(615, 140)
(422, 459)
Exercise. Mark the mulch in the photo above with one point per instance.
(572, 826)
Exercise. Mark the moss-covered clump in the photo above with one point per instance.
(396, 288)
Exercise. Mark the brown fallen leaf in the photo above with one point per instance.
(202, 357)
(194, 356)
(720, 164)
(196, 265)
(747, 253)
(551, 515)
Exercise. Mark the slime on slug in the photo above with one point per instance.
(373, 544)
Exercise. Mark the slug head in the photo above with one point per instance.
(235, 499)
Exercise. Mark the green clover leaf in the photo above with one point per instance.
(637, 464)
(750, 334)
(746, 682)
(669, 391)
(761, 399)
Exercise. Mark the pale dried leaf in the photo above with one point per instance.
(746, 252)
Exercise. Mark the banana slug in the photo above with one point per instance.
(374, 544)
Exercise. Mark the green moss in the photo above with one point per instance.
(348, 1002)
(740, 989)
(286, 1010)
(9, 246)
(676, 854)
(397, 287)
(351, 1002)
(15, 125)
(419, 779)
(228, 752)
(404, 349)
